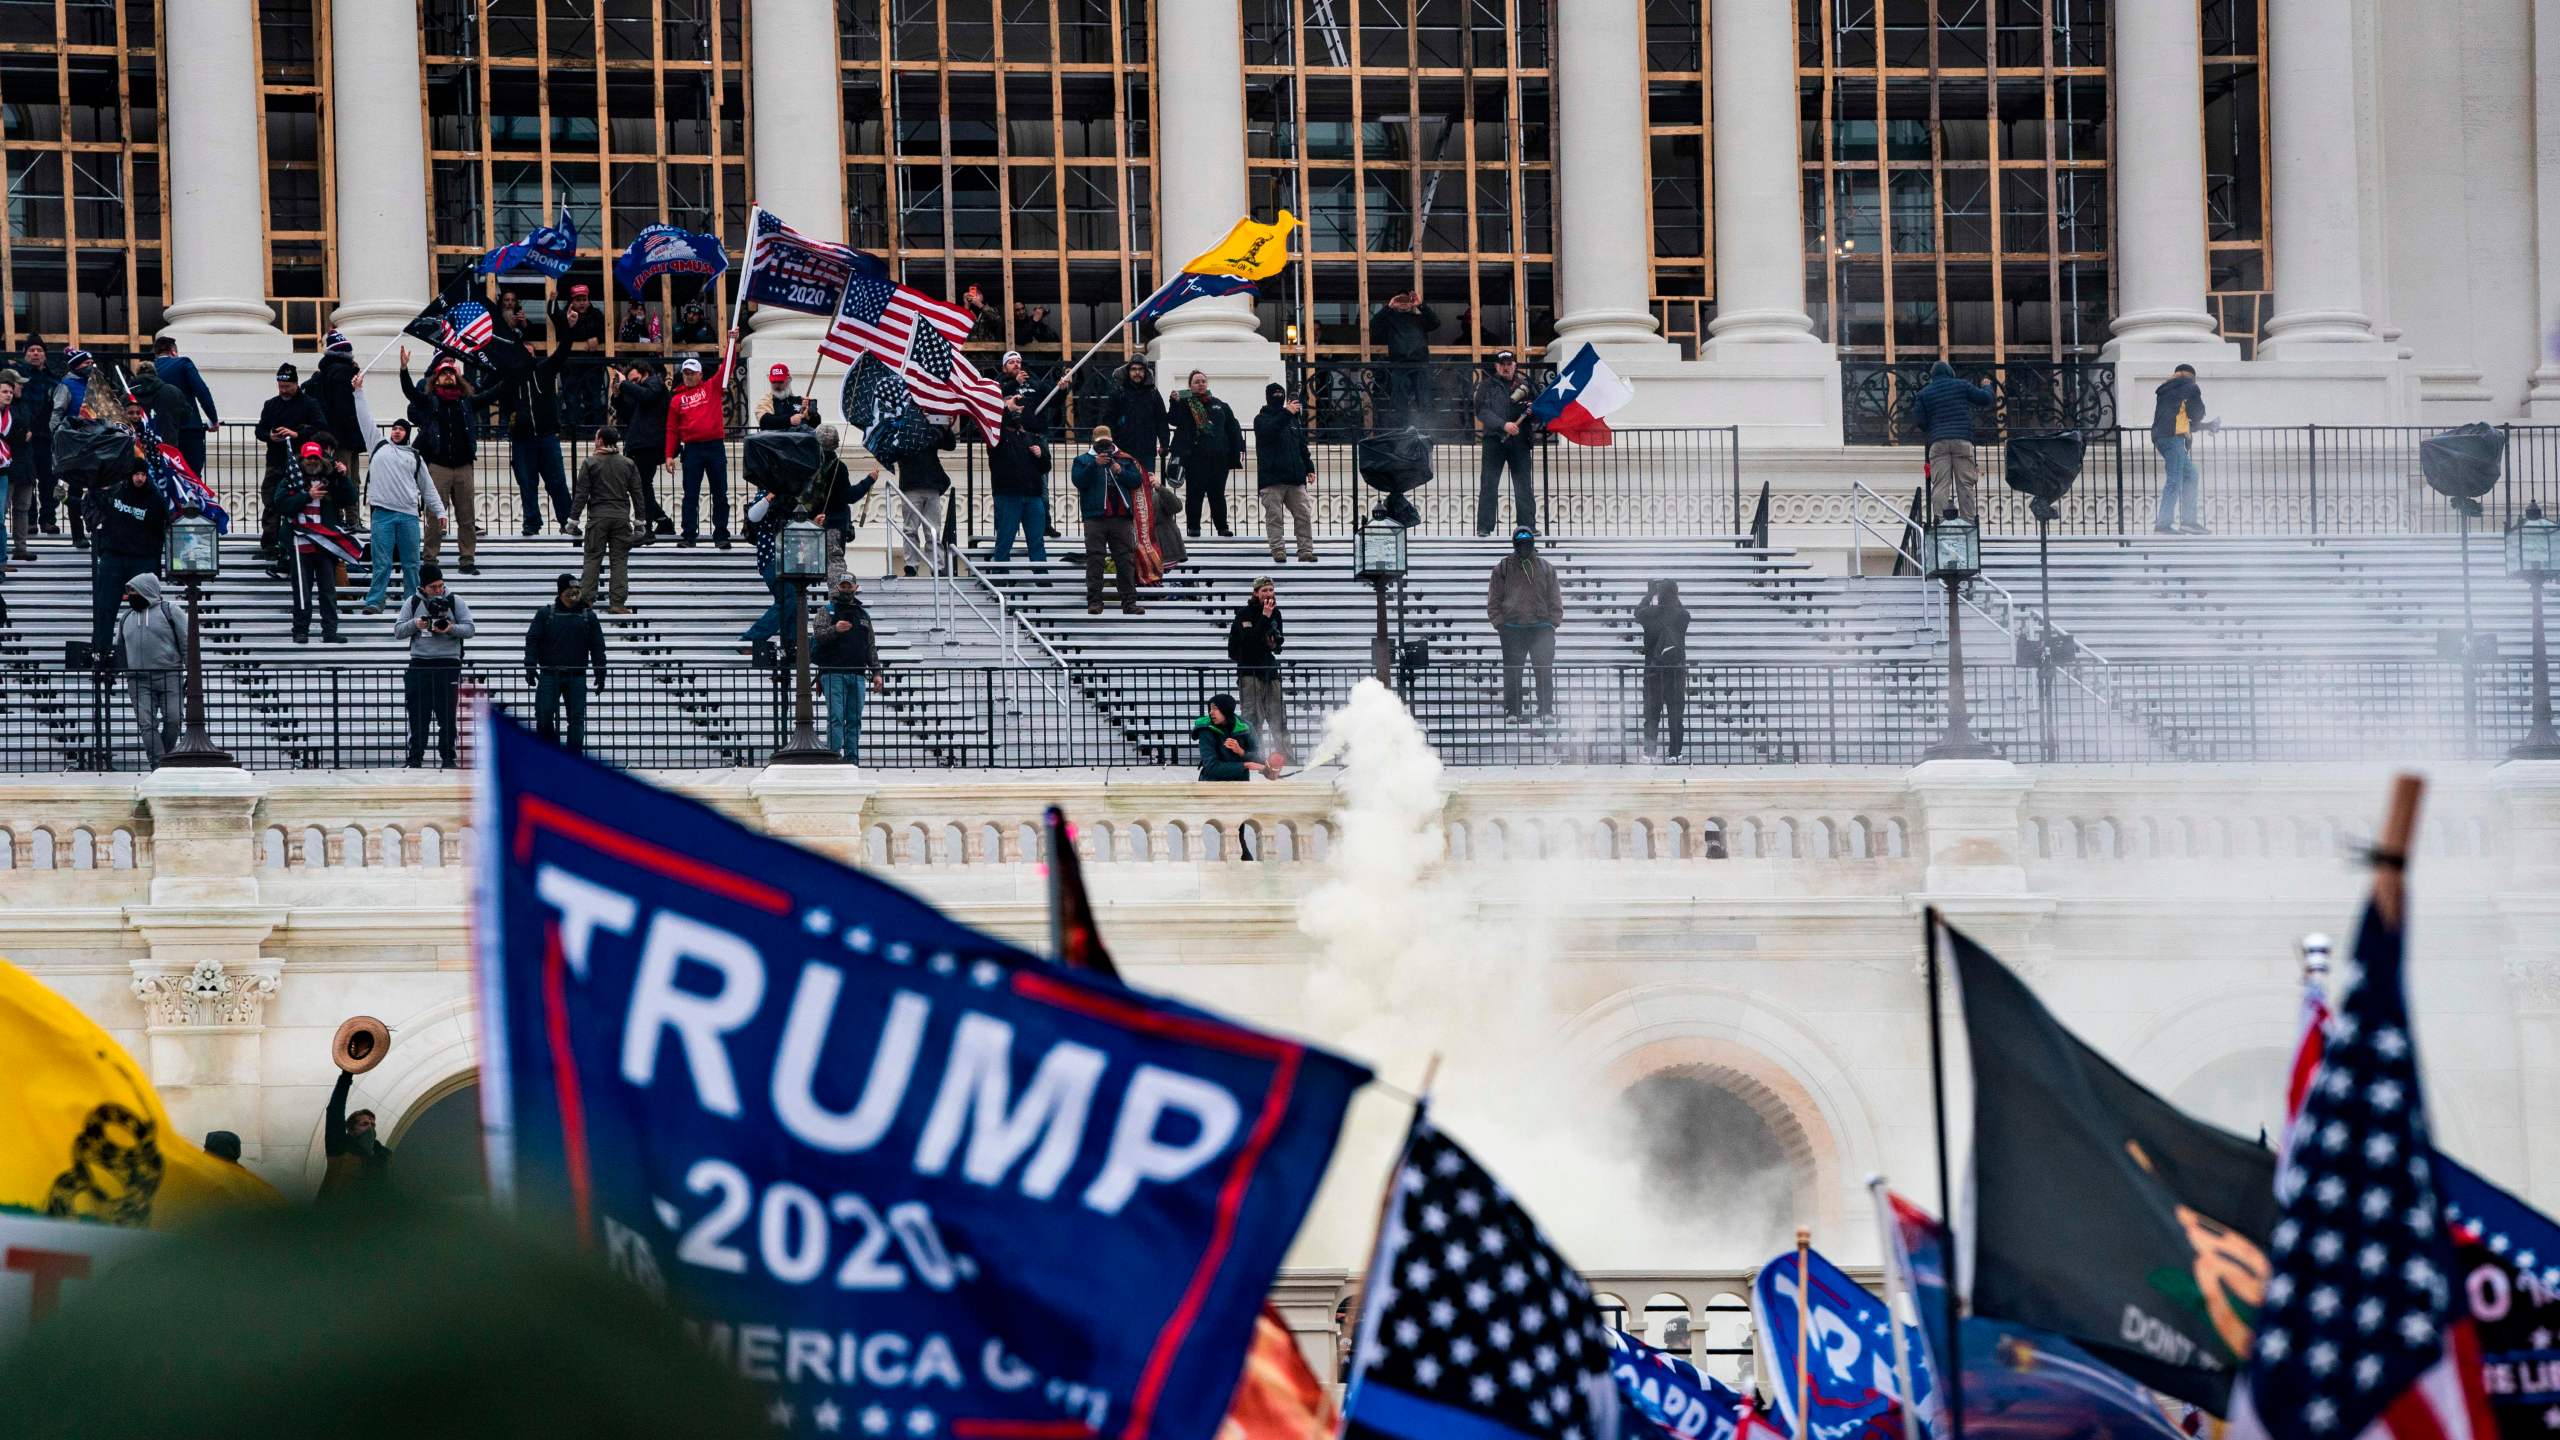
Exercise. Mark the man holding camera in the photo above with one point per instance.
(435, 622)
(1109, 489)
(564, 639)
(1502, 417)
(1402, 328)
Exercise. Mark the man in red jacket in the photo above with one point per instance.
(697, 435)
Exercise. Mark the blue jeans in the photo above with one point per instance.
(706, 459)
(781, 614)
(2179, 483)
(537, 463)
(1028, 514)
(395, 539)
(845, 691)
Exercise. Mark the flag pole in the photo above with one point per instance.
(1897, 1281)
(738, 302)
(1933, 932)
(2390, 856)
(1120, 325)
(1804, 1329)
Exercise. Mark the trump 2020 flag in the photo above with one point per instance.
(1585, 393)
(1849, 1374)
(2509, 1256)
(909, 1177)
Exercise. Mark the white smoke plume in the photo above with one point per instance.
(1412, 964)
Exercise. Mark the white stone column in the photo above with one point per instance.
(1604, 233)
(380, 155)
(2542, 401)
(2161, 276)
(1759, 182)
(217, 260)
(792, 55)
(2319, 236)
(1200, 181)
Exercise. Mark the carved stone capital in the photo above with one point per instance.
(2534, 980)
(207, 994)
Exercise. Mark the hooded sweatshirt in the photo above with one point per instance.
(1137, 416)
(155, 636)
(395, 476)
(1217, 762)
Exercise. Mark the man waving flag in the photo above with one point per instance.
(1578, 405)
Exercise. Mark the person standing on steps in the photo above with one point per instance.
(1254, 638)
(563, 641)
(1109, 489)
(1284, 474)
(1136, 415)
(779, 409)
(403, 500)
(289, 417)
(605, 499)
(1525, 602)
(32, 414)
(333, 388)
(924, 490)
(435, 622)
(1502, 420)
(321, 495)
(177, 370)
(577, 350)
(2177, 413)
(1944, 409)
(845, 650)
(151, 648)
(445, 414)
(1662, 623)
(1210, 445)
(697, 438)
(1018, 477)
(531, 406)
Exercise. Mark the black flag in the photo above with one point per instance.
(2101, 1211)
(1075, 937)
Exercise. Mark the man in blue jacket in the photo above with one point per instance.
(177, 370)
(1944, 408)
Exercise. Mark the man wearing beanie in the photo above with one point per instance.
(402, 497)
(435, 622)
(284, 422)
(564, 639)
(333, 388)
(606, 498)
(1283, 471)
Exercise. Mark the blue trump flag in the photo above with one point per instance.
(2509, 1258)
(550, 249)
(902, 1173)
(1668, 1398)
(667, 250)
(1850, 1374)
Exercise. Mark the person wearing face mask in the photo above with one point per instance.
(1109, 490)
(1136, 415)
(564, 640)
(151, 649)
(1525, 602)
(1664, 625)
(445, 411)
(132, 520)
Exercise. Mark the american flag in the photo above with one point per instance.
(468, 326)
(945, 383)
(879, 317)
(1472, 1322)
(2360, 1330)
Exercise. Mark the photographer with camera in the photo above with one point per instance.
(435, 622)
(1109, 489)
(564, 639)
(1502, 416)
(846, 652)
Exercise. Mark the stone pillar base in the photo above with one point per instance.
(372, 323)
(1780, 395)
(2375, 390)
(242, 375)
(2142, 366)
(1969, 826)
(819, 807)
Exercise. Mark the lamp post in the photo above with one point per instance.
(1955, 556)
(194, 556)
(1378, 556)
(804, 563)
(2531, 557)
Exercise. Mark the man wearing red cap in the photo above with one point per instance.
(577, 343)
(779, 409)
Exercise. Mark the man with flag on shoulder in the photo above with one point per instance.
(319, 505)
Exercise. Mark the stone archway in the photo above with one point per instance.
(433, 1052)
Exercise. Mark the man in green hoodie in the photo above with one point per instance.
(1226, 743)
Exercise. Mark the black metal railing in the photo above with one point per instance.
(661, 716)
(1346, 399)
(1876, 397)
(2274, 480)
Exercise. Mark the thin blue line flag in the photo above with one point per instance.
(908, 1177)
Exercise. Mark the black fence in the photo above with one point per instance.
(2273, 480)
(1346, 399)
(273, 717)
(1876, 397)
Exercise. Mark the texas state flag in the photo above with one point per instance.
(1585, 393)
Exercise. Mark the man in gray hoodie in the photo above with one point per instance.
(435, 624)
(151, 645)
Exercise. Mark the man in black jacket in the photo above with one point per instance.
(332, 387)
(1210, 445)
(640, 413)
(446, 411)
(1502, 418)
(1402, 328)
(845, 651)
(532, 409)
(563, 641)
(577, 342)
(132, 520)
(287, 419)
(319, 492)
(1284, 474)
(2177, 412)
(1018, 477)
(31, 461)
(1254, 638)
(359, 1169)
(1136, 415)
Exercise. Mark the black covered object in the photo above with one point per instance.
(2463, 463)
(2044, 466)
(1396, 461)
(783, 461)
(91, 447)
(2102, 1212)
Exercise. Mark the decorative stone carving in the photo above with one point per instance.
(2534, 980)
(208, 994)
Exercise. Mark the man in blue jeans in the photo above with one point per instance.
(398, 490)
(846, 653)
(2177, 411)
(1018, 477)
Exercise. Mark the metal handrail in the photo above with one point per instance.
(2010, 604)
(1005, 623)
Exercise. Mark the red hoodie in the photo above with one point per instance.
(693, 413)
